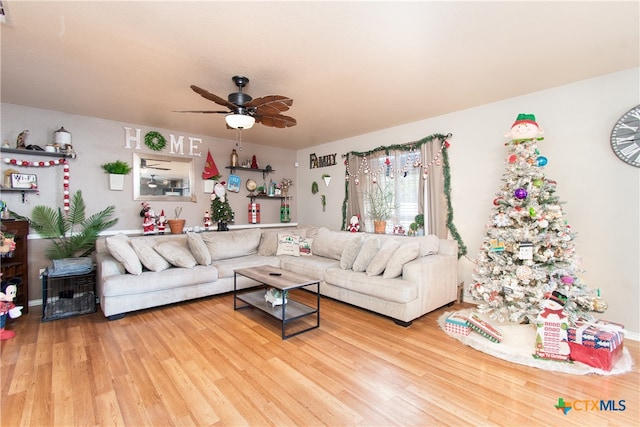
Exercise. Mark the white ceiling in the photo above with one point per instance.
(351, 67)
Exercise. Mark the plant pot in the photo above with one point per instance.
(327, 180)
(222, 226)
(176, 225)
(379, 226)
(116, 182)
(208, 185)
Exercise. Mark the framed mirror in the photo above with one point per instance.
(160, 177)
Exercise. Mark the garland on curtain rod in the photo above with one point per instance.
(462, 249)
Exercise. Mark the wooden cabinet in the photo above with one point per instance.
(18, 264)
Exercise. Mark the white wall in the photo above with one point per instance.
(602, 193)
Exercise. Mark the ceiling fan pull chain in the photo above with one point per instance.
(239, 139)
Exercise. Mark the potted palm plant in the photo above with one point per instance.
(381, 206)
(73, 234)
(116, 170)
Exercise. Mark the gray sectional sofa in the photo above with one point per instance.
(399, 277)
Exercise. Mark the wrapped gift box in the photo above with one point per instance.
(457, 323)
(598, 344)
(484, 328)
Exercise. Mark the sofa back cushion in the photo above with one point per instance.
(369, 249)
(330, 244)
(149, 258)
(350, 252)
(232, 244)
(379, 262)
(198, 248)
(404, 254)
(176, 254)
(119, 248)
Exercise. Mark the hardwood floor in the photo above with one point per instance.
(201, 363)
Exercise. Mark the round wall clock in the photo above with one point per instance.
(625, 137)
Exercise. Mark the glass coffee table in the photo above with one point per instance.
(284, 281)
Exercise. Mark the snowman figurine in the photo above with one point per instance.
(552, 324)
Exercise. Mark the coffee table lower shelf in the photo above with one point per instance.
(286, 313)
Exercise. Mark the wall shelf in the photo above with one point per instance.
(23, 191)
(37, 153)
(265, 172)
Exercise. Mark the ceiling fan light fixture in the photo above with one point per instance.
(239, 121)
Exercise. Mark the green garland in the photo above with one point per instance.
(155, 141)
(462, 249)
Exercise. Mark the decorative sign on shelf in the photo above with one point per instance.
(24, 180)
(234, 183)
(321, 161)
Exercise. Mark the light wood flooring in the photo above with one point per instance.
(200, 363)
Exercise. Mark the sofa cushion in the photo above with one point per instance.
(311, 266)
(330, 244)
(149, 258)
(288, 244)
(369, 249)
(232, 244)
(394, 290)
(162, 281)
(379, 262)
(268, 245)
(226, 267)
(198, 249)
(350, 252)
(176, 255)
(404, 254)
(120, 249)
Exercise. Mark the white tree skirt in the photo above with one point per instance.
(517, 346)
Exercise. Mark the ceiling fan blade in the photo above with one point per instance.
(201, 111)
(215, 98)
(271, 104)
(276, 121)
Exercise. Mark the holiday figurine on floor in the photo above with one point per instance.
(162, 223)
(552, 324)
(8, 308)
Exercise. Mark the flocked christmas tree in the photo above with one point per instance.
(528, 250)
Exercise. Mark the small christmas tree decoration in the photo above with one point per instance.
(528, 250)
(220, 209)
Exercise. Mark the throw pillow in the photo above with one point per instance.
(176, 255)
(379, 262)
(268, 243)
(288, 244)
(367, 252)
(400, 257)
(198, 248)
(151, 259)
(350, 252)
(305, 246)
(121, 250)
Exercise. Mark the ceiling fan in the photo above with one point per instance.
(152, 182)
(144, 164)
(243, 110)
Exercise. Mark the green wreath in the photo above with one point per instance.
(155, 141)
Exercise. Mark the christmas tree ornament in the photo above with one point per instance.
(520, 193)
(541, 161)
